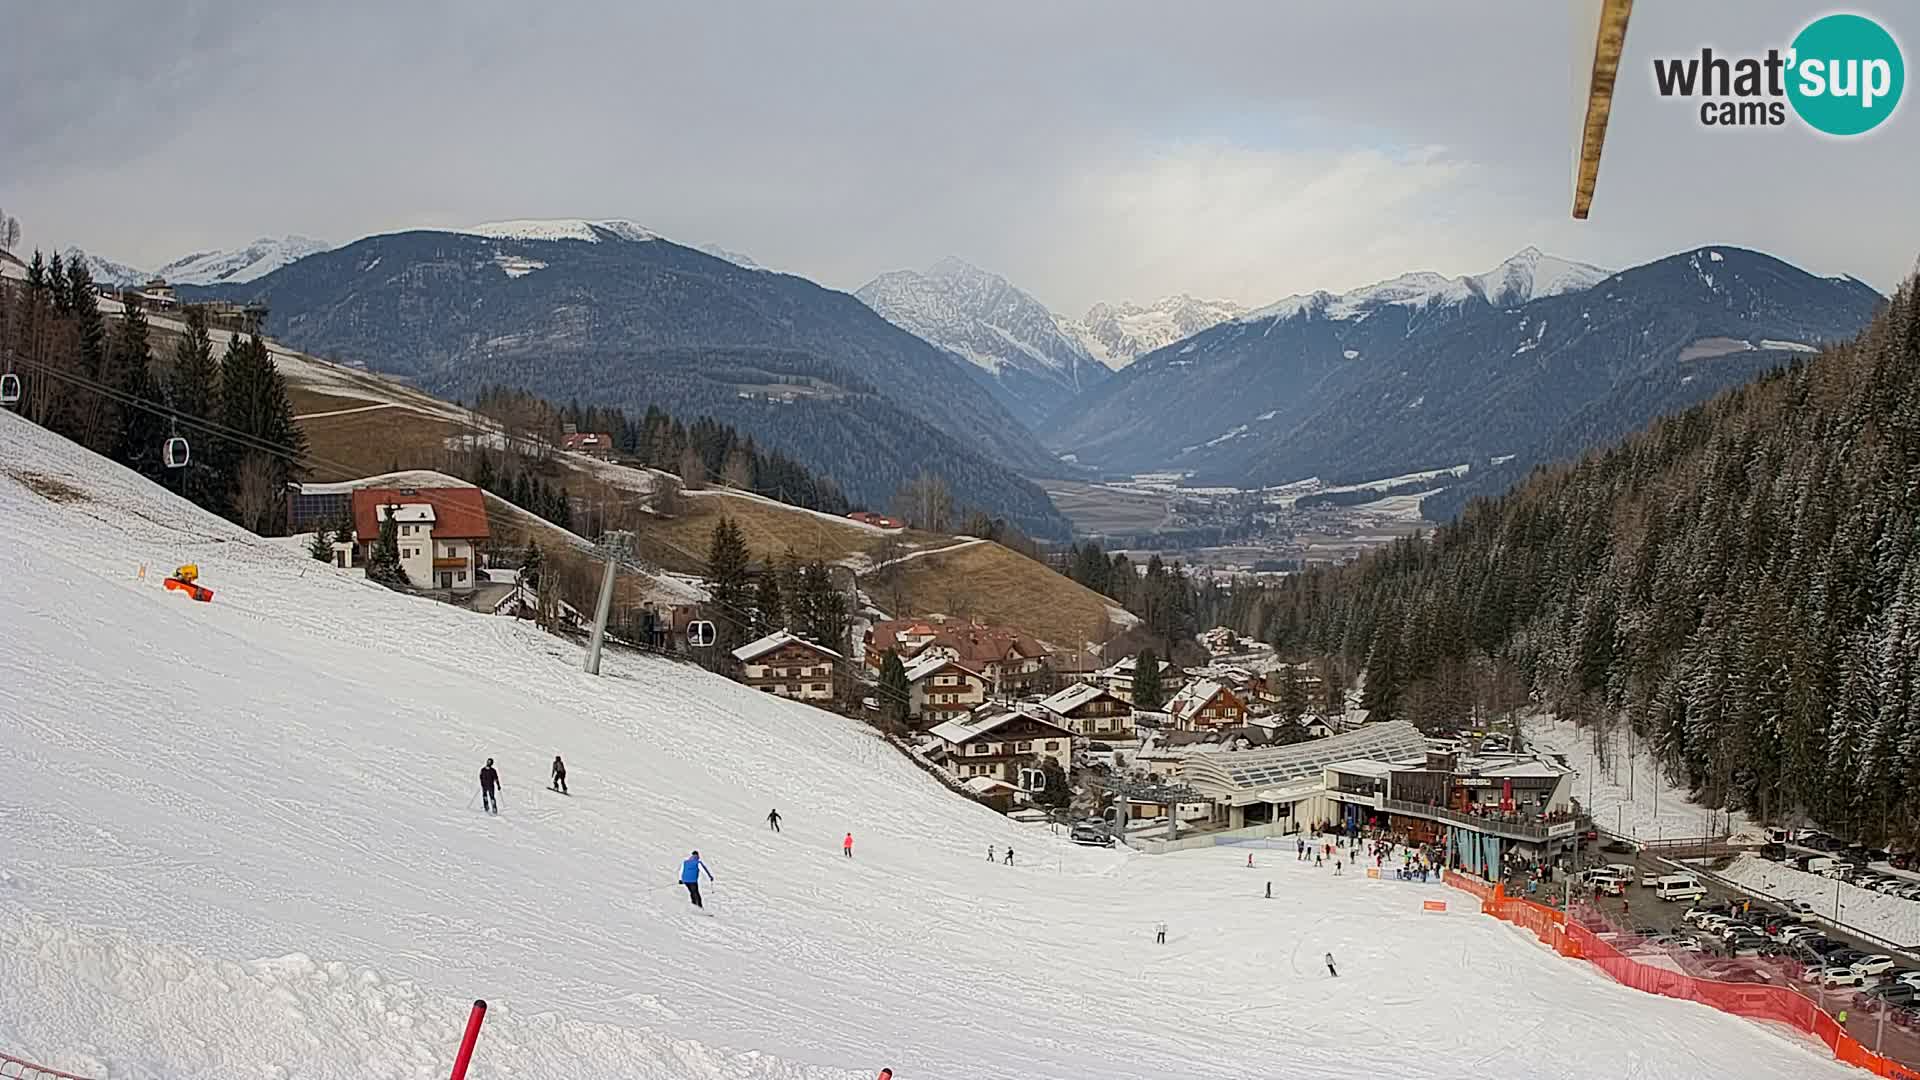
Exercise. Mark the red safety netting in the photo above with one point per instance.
(1782, 1004)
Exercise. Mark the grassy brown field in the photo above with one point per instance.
(990, 583)
(984, 581)
(1098, 509)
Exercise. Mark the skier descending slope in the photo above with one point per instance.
(489, 781)
(690, 872)
(560, 775)
(1330, 968)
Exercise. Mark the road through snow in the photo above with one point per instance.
(237, 840)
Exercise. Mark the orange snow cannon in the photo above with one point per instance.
(186, 579)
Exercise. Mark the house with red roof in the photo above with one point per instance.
(438, 530)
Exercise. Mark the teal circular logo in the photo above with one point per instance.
(1846, 74)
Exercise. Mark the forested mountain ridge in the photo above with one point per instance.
(1424, 372)
(627, 319)
(1740, 582)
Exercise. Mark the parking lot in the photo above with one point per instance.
(1893, 1031)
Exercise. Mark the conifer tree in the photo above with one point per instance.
(383, 559)
(769, 607)
(895, 692)
(194, 391)
(727, 558)
(1147, 691)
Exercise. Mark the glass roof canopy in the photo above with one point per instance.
(1248, 770)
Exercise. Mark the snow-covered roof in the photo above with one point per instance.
(1194, 696)
(408, 513)
(972, 727)
(986, 785)
(748, 652)
(927, 665)
(1533, 768)
(1072, 697)
(1363, 767)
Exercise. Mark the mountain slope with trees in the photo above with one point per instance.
(1740, 583)
(628, 320)
(1425, 372)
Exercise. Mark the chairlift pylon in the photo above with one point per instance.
(9, 389)
(175, 452)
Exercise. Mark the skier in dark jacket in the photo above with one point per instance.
(559, 775)
(690, 872)
(1330, 967)
(489, 781)
(773, 820)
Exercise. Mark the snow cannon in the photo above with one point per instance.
(186, 579)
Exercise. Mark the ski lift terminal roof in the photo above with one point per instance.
(1246, 771)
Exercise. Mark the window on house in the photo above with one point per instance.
(1053, 744)
(977, 748)
(1024, 748)
(461, 576)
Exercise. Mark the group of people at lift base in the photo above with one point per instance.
(1416, 864)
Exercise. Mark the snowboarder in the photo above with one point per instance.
(847, 845)
(489, 781)
(1159, 933)
(773, 820)
(1009, 861)
(1331, 970)
(559, 775)
(1269, 890)
(690, 872)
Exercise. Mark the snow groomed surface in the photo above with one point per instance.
(240, 839)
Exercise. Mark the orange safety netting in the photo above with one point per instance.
(1756, 1001)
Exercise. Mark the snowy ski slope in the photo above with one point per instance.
(236, 840)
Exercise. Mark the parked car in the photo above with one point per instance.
(1875, 854)
(1844, 957)
(1701, 910)
(1901, 860)
(1835, 977)
(1800, 906)
(1617, 847)
(1091, 834)
(1877, 964)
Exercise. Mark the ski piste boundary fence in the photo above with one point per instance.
(1750, 1000)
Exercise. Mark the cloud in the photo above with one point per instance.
(1088, 149)
(1213, 218)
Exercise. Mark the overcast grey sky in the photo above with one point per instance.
(1088, 150)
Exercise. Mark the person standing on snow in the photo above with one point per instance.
(690, 872)
(1159, 933)
(989, 852)
(1330, 968)
(846, 846)
(559, 775)
(489, 781)
(773, 820)
(1009, 855)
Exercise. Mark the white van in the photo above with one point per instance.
(1819, 864)
(1679, 887)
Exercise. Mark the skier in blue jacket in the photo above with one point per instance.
(690, 871)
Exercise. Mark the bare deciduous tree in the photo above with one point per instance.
(256, 495)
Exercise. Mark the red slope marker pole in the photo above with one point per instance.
(466, 1043)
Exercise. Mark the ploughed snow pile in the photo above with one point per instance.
(237, 839)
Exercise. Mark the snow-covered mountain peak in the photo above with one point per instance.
(591, 231)
(1528, 274)
(993, 324)
(258, 259)
(106, 271)
(1117, 334)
